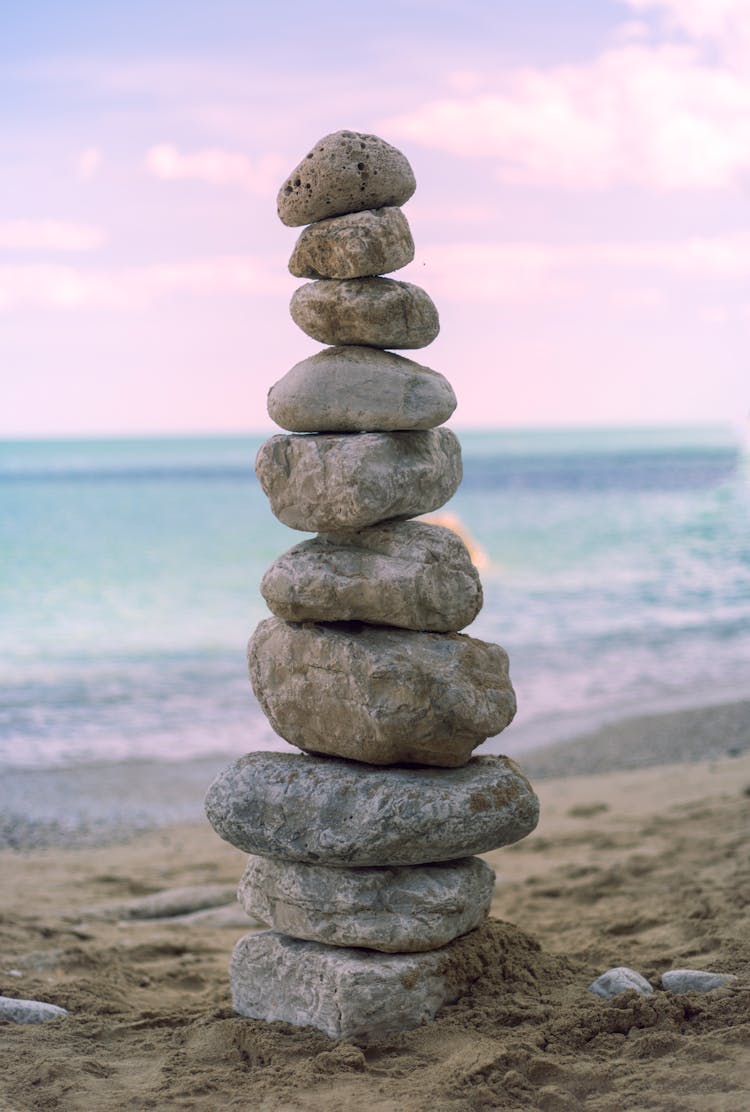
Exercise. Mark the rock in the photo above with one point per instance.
(324, 811)
(402, 910)
(360, 244)
(28, 1011)
(347, 171)
(380, 695)
(336, 483)
(379, 312)
(360, 389)
(167, 904)
(404, 573)
(618, 980)
(694, 980)
(354, 995)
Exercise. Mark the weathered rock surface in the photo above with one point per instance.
(360, 244)
(355, 995)
(28, 1011)
(404, 573)
(336, 483)
(346, 171)
(332, 812)
(360, 389)
(379, 312)
(695, 980)
(380, 695)
(404, 910)
(618, 980)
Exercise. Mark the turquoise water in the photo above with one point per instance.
(618, 580)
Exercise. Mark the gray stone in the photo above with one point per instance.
(167, 904)
(618, 980)
(380, 695)
(360, 389)
(404, 910)
(28, 1011)
(379, 312)
(346, 171)
(325, 811)
(336, 483)
(695, 980)
(404, 573)
(355, 995)
(360, 244)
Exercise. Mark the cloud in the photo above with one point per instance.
(522, 272)
(54, 286)
(656, 116)
(216, 167)
(49, 235)
(88, 162)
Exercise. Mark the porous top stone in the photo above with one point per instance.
(379, 312)
(346, 171)
(405, 910)
(337, 483)
(380, 695)
(360, 389)
(357, 245)
(326, 811)
(354, 995)
(407, 574)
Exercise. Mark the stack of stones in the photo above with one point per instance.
(363, 848)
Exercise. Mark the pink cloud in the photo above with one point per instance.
(652, 116)
(52, 286)
(49, 235)
(216, 167)
(88, 163)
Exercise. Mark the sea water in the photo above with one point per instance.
(617, 577)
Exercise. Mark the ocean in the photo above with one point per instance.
(617, 578)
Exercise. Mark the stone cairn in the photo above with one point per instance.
(363, 846)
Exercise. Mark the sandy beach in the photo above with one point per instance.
(640, 859)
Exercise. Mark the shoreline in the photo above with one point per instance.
(108, 803)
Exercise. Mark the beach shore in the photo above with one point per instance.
(640, 859)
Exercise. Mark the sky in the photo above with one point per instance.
(581, 219)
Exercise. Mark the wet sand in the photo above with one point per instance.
(640, 866)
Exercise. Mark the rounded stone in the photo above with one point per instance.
(403, 910)
(406, 574)
(380, 695)
(695, 980)
(336, 483)
(29, 1011)
(325, 811)
(377, 312)
(358, 245)
(360, 389)
(620, 979)
(346, 171)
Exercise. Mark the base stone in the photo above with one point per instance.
(353, 995)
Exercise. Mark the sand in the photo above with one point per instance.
(646, 867)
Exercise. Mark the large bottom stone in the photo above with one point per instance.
(403, 910)
(354, 995)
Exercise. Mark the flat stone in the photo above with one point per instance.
(618, 980)
(28, 1011)
(360, 244)
(325, 811)
(355, 995)
(405, 573)
(166, 904)
(334, 483)
(346, 171)
(379, 312)
(404, 910)
(360, 389)
(380, 695)
(695, 980)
